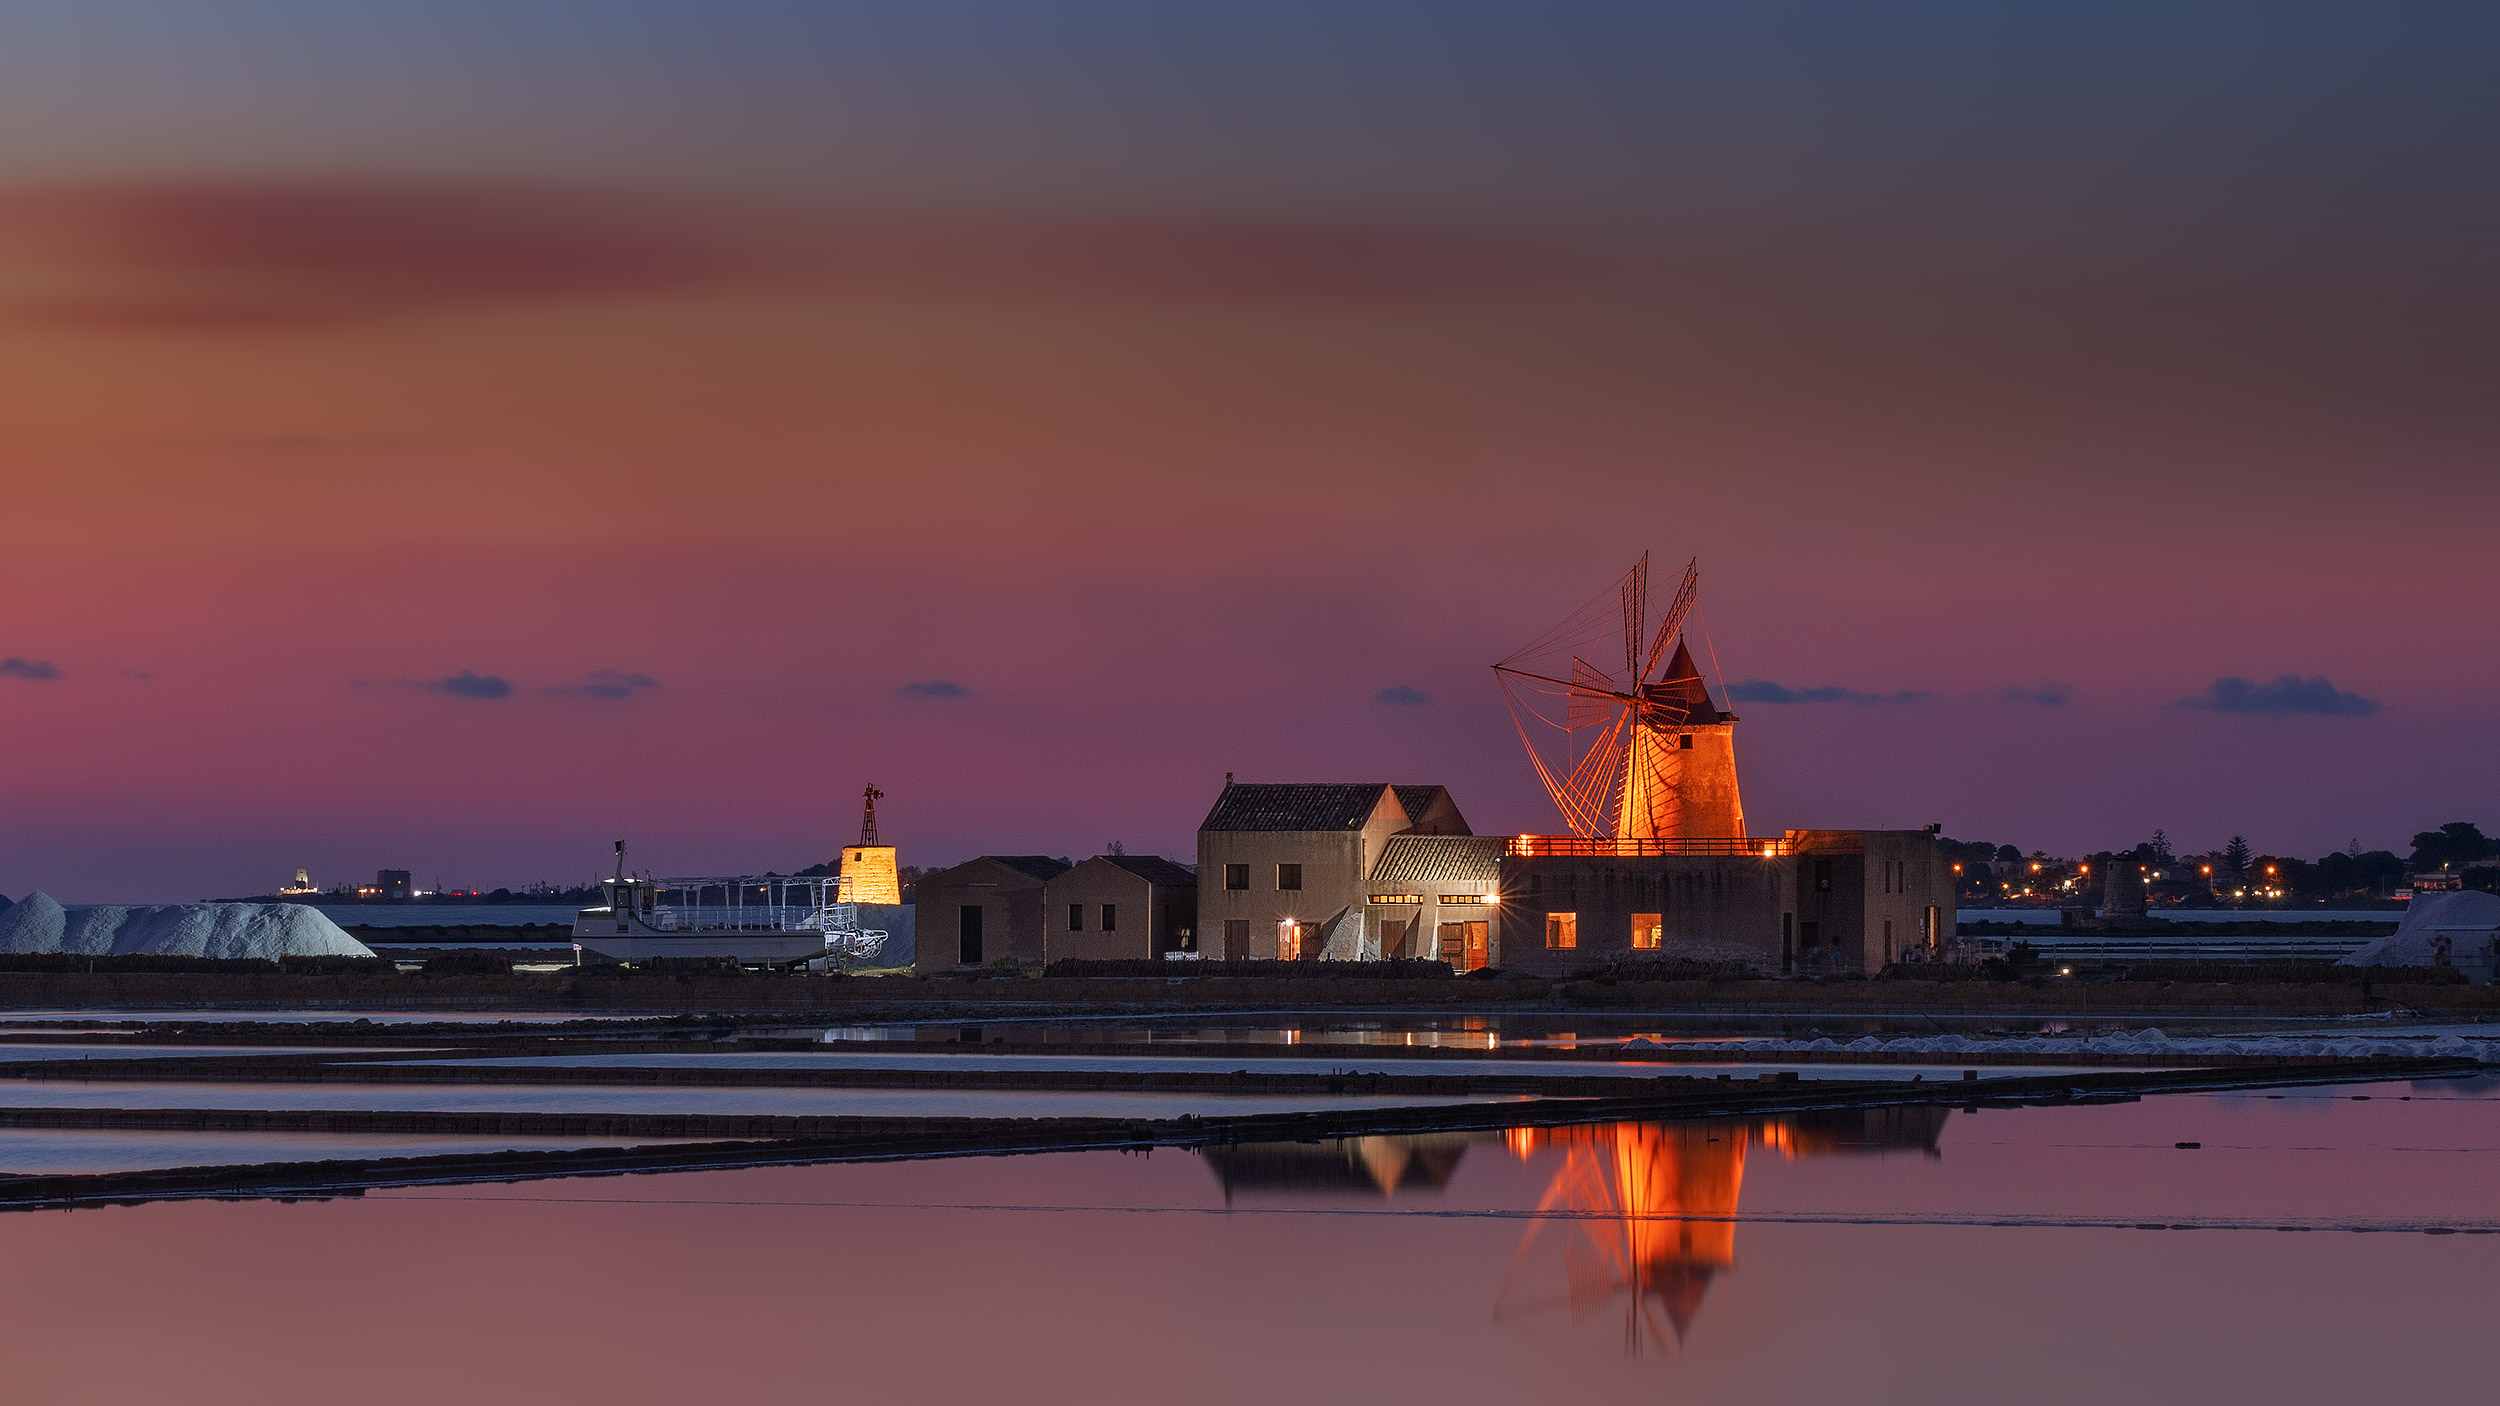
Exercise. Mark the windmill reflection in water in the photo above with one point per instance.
(1645, 1213)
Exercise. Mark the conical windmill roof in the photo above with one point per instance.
(1682, 683)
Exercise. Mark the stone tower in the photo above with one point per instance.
(867, 874)
(1682, 781)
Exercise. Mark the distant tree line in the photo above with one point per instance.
(2234, 873)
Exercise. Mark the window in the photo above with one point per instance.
(1111, 917)
(1649, 931)
(1684, 742)
(1466, 898)
(1076, 917)
(1397, 898)
(1562, 930)
(1809, 935)
(1822, 876)
(1929, 928)
(1289, 876)
(1237, 876)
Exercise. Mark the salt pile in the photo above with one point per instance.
(37, 923)
(2451, 929)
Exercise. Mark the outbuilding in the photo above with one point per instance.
(1115, 907)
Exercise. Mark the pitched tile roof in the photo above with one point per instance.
(1155, 869)
(1439, 859)
(1297, 806)
(1038, 866)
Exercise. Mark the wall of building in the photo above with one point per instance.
(1722, 898)
(1883, 884)
(1333, 868)
(1153, 918)
(1423, 938)
(868, 875)
(1907, 874)
(1011, 922)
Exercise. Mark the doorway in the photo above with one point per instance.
(968, 935)
(1464, 945)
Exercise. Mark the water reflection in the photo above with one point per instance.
(1636, 1217)
(1386, 1165)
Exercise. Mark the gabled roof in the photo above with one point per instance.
(1296, 806)
(1439, 859)
(1422, 801)
(1154, 869)
(1036, 866)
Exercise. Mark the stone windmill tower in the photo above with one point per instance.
(867, 874)
(1629, 749)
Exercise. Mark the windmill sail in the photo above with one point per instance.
(1645, 755)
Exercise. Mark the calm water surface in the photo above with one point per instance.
(1912, 1256)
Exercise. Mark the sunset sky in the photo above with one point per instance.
(452, 436)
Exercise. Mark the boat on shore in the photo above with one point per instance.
(758, 920)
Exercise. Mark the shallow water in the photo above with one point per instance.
(592, 1098)
(1266, 1064)
(51, 1151)
(1919, 1256)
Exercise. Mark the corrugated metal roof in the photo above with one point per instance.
(1296, 806)
(1439, 859)
(1155, 869)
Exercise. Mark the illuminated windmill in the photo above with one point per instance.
(1628, 743)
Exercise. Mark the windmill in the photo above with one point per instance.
(1613, 736)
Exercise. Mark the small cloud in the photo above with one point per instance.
(468, 685)
(141, 674)
(605, 683)
(934, 688)
(1402, 696)
(1765, 691)
(2287, 695)
(2047, 695)
(16, 668)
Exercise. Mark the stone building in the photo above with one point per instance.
(1123, 907)
(1438, 895)
(984, 909)
(1284, 871)
(1808, 901)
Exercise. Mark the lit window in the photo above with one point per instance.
(1397, 898)
(1562, 930)
(1649, 931)
(1465, 898)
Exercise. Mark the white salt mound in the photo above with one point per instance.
(2463, 923)
(225, 930)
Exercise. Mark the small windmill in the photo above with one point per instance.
(1613, 743)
